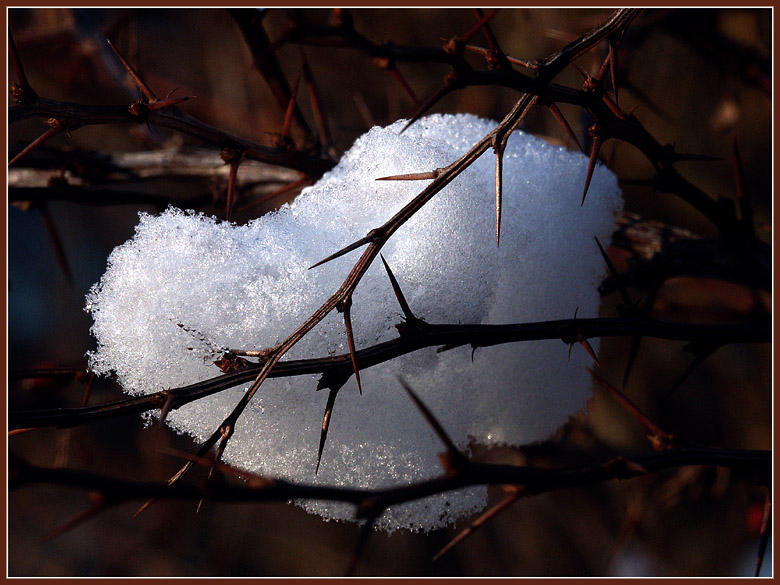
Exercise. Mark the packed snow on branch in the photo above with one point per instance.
(248, 287)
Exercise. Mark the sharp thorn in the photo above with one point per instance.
(438, 429)
(346, 307)
(565, 124)
(326, 424)
(345, 250)
(145, 89)
(499, 150)
(594, 153)
(412, 176)
(426, 106)
(399, 295)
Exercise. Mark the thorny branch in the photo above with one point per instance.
(415, 335)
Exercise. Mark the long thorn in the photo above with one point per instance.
(231, 188)
(565, 124)
(499, 150)
(56, 243)
(398, 292)
(478, 26)
(326, 424)
(412, 176)
(398, 76)
(79, 519)
(613, 271)
(482, 520)
(653, 428)
(365, 533)
(145, 89)
(435, 424)
(427, 105)
(594, 154)
(346, 308)
(291, 105)
(344, 250)
(56, 128)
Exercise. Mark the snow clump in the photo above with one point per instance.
(248, 286)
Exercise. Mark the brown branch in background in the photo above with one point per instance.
(250, 22)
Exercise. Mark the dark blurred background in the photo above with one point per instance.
(699, 78)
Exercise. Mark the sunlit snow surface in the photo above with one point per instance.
(249, 287)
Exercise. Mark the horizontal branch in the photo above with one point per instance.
(74, 115)
(415, 335)
(534, 480)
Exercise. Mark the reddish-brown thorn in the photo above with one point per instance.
(365, 533)
(455, 456)
(603, 69)
(20, 431)
(208, 462)
(279, 192)
(56, 243)
(664, 439)
(482, 520)
(398, 292)
(145, 89)
(98, 505)
(413, 176)
(56, 127)
(427, 105)
(532, 65)
(166, 408)
(398, 76)
(170, 102)
(565, 124)
(326, 424)
(346, 307)
(766, 520)
(589, 348)
(345, 250)
(478, 26)
(614, 107)
(88, 389)
(613, 66)
(231, 187)
(594, 154)
(291, 105)
(488, 34)
(20, 75)
(144, 507)
(581, 71)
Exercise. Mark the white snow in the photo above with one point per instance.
(249, 286)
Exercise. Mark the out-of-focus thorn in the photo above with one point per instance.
(166, 408)
(98, 505)
(482, 520)
(145, 89)
(345, 307)
(660, 439)
(399, 295)
(565, 124)
(144, 507)
(55, 127)
(636, 340)
(22, 92)
(314, 101)
(291, 105)
(613, 66)
(170, 102)
(478, 26)
(365, 533)
(398, 76)
(56, 243)
(702, 354)
(278, 193)
(344, 250)
(455, 460)
(532, 65)
(88, 389)
(429, 103)
(594, 154)
(209, 461)
(766, 521)
(231, 189)
(15, 432)
(334, 390)
(613, 271)
(413, 176)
